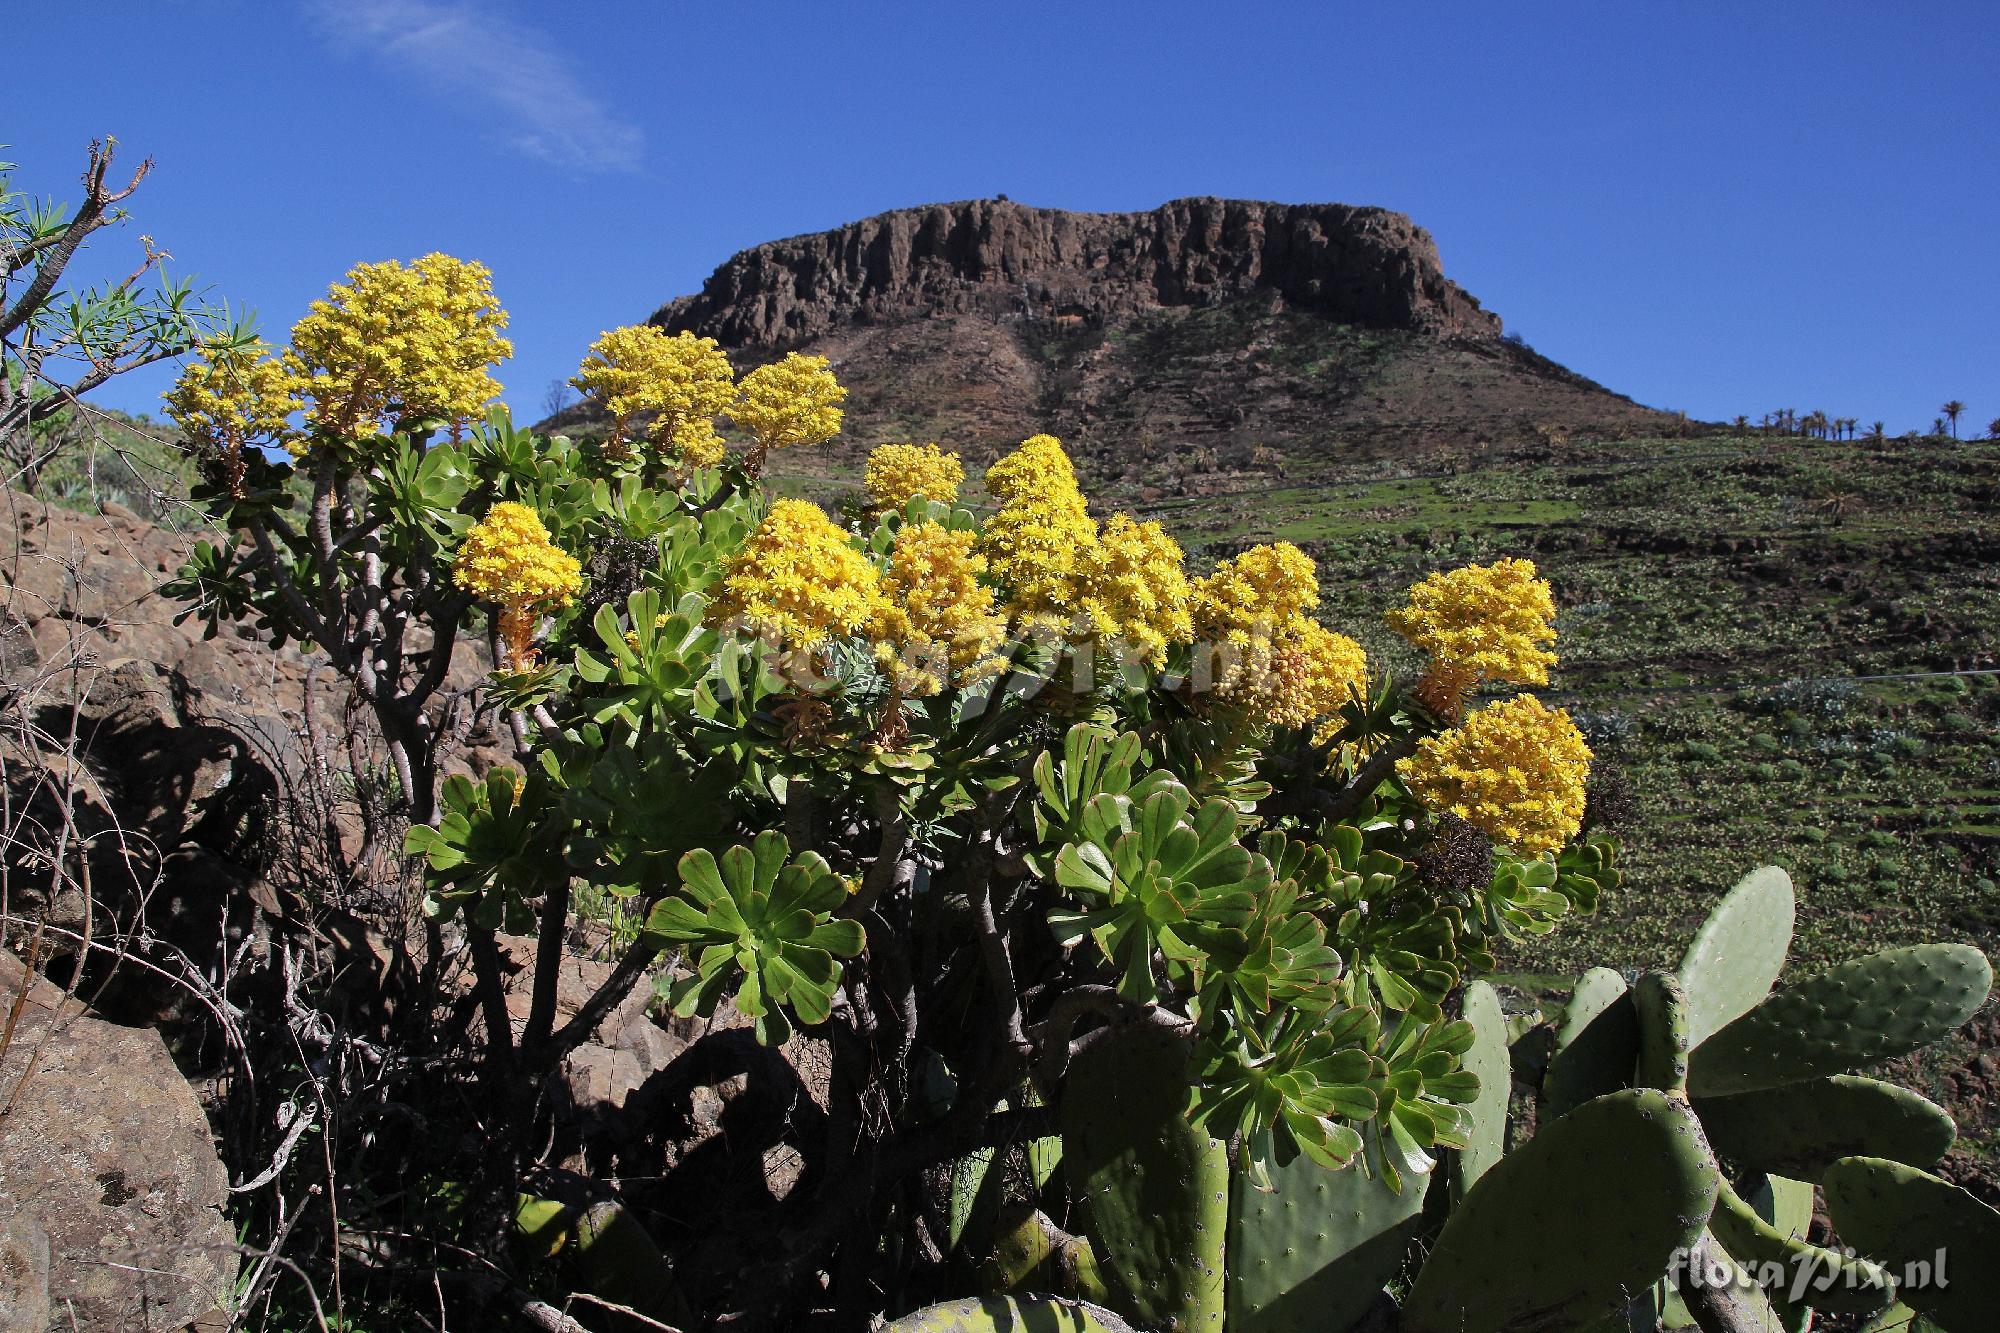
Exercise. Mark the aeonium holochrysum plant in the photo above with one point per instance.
(960, 790)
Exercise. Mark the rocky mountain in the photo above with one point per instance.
(1205, 337)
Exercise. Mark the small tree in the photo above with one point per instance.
(1951, 411)
(58, 345)
(1993, 429)
(556, 397)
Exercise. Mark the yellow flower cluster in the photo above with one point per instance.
(1130, 586)
(508, 559)
(788, 404)
(898, 473)
(1514, 769)
(1034, 542)
(1271, 658)
(801, 578)
(1306, 674)
(1255, 594)
(405, 342)
(683, 382)
(233, 396)
(939, 625)
(1485, 622)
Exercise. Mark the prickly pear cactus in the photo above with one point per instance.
(1597, 1044)
(1900, 1318)
(1836, 1283)
(1155, 1189)
(1004, 1314)
(1737, 954)
(1661, 1007)
(1542, 1242)
(1801, 1129)
(1909, 1218)
(1875, 1008)
(618, 1260)
(1312, 1252)
(1487, 1060)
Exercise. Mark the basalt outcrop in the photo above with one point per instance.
(1364, 266)
(1206, 345)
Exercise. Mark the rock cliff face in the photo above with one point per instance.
(1205, 346)
(1362, 266)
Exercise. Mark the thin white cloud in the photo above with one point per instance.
(471, 55)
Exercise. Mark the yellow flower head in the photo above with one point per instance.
(508, 560)
(1297, 676)
(682, 381)
(801, 578)
(938, 624)
(1034, 542)
(1514, 769)
(233, 396)
(1485, 622)
(790, 403)
(898, 473)
(1255, 594)
(405, 342)
(1130, 586)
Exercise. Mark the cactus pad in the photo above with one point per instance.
(1661, 1008)
(1738, 952)
(1597, 1044)
(1314, 1252)
(1487, 1060)
(1540, 1242)
(1874, 1008)
(1155, 1189)
(1801, 1129)
(1907, 1217)
(1834, 1282)
(1002, 1314)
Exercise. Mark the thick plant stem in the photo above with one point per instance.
(799, 809)
(548, 973)
(606, 998)
(1718, 1308)
(491, 986)
(889, 868)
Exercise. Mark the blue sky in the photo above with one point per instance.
(1718, 207)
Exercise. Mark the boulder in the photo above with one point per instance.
(108, 1174)
(24, 1277)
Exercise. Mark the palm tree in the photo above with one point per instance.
(1951, 411)
(1742, 424)
(1993, 429)
(1876, 430)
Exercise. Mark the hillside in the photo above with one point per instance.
(1203, 344)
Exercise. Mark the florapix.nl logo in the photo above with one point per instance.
(1805, 1274)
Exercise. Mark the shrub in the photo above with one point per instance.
(939, 791)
